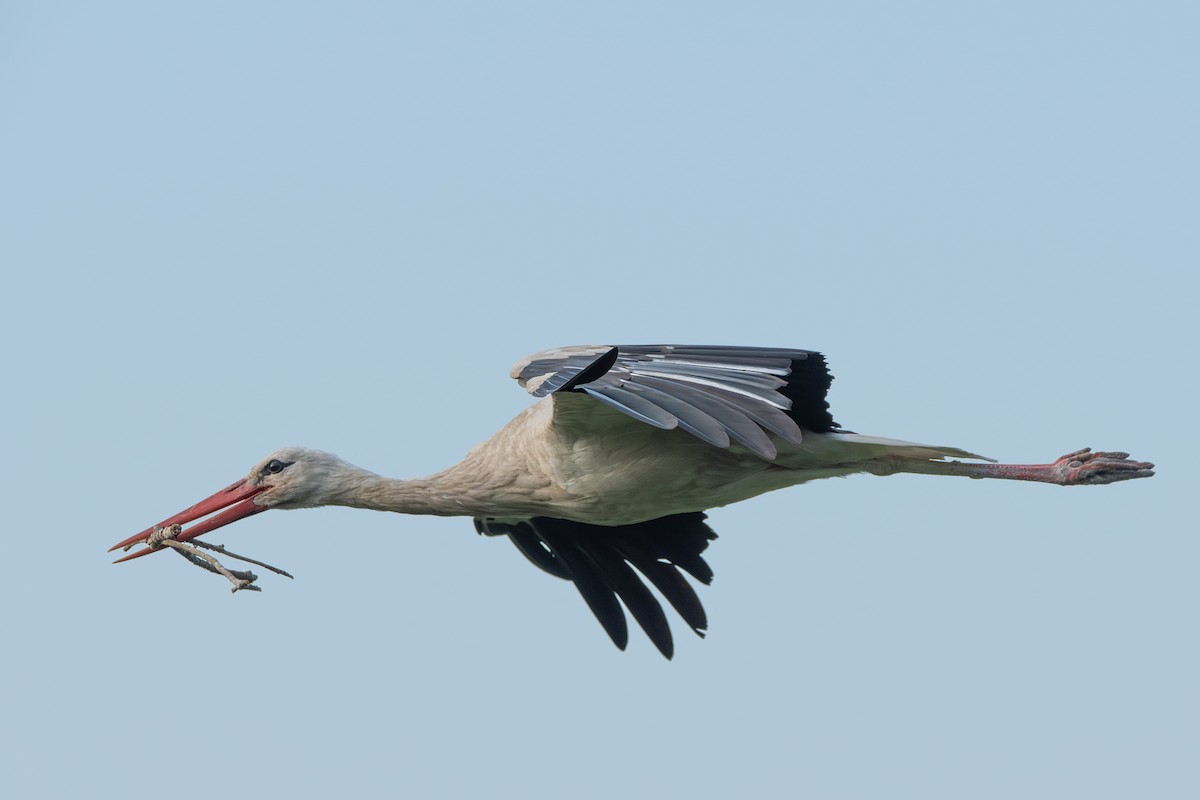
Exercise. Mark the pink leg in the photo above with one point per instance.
(1083, 467)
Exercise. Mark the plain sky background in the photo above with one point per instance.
(230, 227)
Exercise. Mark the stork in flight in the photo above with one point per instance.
(604, 481)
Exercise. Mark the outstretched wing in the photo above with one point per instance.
(604, 564)
(719, 394)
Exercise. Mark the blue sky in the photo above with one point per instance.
(234, 227)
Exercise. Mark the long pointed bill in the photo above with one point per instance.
(235, 499)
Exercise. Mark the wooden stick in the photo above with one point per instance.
(241, 580)
(220, 548)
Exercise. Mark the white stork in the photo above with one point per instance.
(604, 481)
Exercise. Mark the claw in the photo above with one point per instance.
(1075, 455)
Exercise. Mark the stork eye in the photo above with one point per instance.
(275, 466)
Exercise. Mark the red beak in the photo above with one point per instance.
(235, 499)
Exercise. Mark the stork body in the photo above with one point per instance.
(614, 465)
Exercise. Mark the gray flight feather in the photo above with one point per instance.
(718, 394)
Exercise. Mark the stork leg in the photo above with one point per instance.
(1083, 467)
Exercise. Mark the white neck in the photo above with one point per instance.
(452, 493)
(419, 496)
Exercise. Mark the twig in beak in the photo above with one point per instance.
(220, 548)
(241, 580)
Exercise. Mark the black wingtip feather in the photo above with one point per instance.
(807, 387)
(589, 580)
(598, 560)
(621, 578)
(592, 371)
(670, 583)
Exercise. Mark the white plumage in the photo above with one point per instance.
(610, 471)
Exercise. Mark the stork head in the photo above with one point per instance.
(298, 477)
(294, 477)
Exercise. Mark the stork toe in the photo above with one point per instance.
(1084, 467)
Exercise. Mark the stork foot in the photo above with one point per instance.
(1083, 467)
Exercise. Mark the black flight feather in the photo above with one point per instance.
(601, 562)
